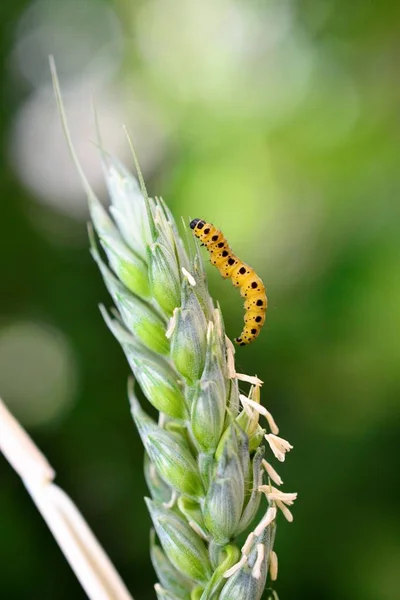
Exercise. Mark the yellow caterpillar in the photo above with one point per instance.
(243, 276)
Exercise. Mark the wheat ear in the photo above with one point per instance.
(204, 462)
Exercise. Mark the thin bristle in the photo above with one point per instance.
(136, 162)
(142, 184)
(64, 122)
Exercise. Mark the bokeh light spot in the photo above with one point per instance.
(78, 34)
(215, 53)
(39, 150)
(38, 372)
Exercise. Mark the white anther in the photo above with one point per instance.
(273, 565)
(285, 511)
(256, 572)
(247, 545)
(271, 472)
(249, 379)
(262, 410)
(189, 277)
(265, 521)
(236, 567)
(273, 493)
(278, 445)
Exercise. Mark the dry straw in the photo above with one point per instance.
(205, 464)
(87, 558)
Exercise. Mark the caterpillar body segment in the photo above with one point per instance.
(241, 275)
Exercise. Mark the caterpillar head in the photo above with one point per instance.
(197, 223)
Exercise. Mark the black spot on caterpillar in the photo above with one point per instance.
(242, 276)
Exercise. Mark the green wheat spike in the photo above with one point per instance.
(204, 462)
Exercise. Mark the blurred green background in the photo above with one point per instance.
(278, 121)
